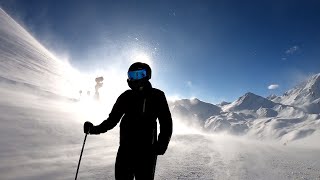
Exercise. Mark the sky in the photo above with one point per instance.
(213, 50)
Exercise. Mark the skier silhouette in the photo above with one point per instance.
(138, 109)
(97, 87)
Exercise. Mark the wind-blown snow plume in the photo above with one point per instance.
(25, 63)
(40, 124)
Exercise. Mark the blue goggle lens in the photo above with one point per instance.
(137, 75)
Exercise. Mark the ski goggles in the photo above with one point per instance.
(137, 75)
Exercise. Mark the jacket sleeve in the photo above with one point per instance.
(114, 117)
(165, 122)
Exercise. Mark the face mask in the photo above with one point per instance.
(137, 85)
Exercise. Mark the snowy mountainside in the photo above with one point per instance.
(272, 97)
(194, 109)
(249, 101)
(306, 95)
(222, 104)
(234, 123)
(24, 62)
(33, 129)
(41, 133)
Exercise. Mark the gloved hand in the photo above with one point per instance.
(160, 149)
(87, 127)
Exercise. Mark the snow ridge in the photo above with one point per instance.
(249, 101)
(305, 96)
(26, 63)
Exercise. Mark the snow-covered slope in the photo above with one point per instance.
(24, 62)
(234, 123)
(306, 95)
(40, 131)
(249, 101)
(194, 109)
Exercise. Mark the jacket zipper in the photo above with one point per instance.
(144, 106)
(144, 110)
(152, 137)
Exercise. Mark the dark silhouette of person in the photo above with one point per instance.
(97, 87)
(138, 109)
(80, 92)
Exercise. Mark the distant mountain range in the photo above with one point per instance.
(294, 115)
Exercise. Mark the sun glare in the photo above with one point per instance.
(141, 57)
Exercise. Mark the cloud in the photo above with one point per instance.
(273, 86)
(292, 50)
(189, 84)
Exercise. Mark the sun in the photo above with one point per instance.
(138, 56)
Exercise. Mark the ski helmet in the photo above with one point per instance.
(139, 71)
(138, 75)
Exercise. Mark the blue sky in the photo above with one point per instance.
(213, 50)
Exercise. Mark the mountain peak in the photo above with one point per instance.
(314, 82)
(249, 95)
(272, 96)
(223, 103)
(307, 91)
(250, 101)
(194, 101)
(195, 108)
(304, 96)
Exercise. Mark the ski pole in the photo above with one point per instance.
(81, 155)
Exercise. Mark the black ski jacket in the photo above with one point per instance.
(138, 112)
